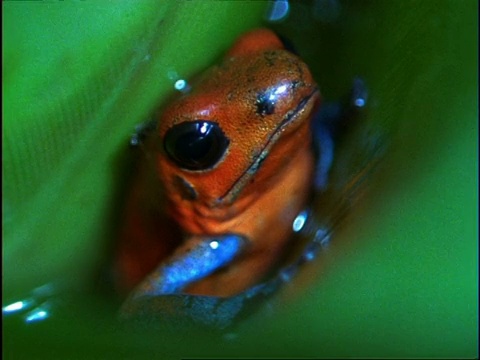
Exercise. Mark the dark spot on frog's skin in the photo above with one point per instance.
(184, 188)
(251, 79)
(270, 58)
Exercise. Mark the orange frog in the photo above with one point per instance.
(233, 166)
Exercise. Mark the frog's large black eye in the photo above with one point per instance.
(196, 145)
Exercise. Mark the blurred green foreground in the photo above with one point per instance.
(77, 78)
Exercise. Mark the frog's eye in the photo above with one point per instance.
(196, 145)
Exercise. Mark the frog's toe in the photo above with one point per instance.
(182, 310)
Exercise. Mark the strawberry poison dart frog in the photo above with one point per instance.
(231, 164)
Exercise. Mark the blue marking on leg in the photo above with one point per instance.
(207, 257)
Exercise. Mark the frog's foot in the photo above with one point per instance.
(328, 125)
(189, 264)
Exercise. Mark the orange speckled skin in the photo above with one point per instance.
(234, 196)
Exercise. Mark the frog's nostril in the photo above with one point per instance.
(265, 104)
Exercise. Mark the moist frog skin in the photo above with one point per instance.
(231, 164)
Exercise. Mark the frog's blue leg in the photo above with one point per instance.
(209, 255)
(205, 257)
(327, 125)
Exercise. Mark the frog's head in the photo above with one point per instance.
(240, 123)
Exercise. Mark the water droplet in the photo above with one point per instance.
(182, 85)
(178, 83)
(278, 10)
(311, 251)
(322, 237)
(17, 306)
(359, 102)
(300, 221)
(359, 93)
(37, 314)
(134, 140)
(288, 273)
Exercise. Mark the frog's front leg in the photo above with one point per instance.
(328, 124)
(199, 257)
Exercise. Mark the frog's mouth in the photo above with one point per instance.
(233, 192)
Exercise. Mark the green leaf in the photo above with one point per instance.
(78, 76)
(400, 278)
